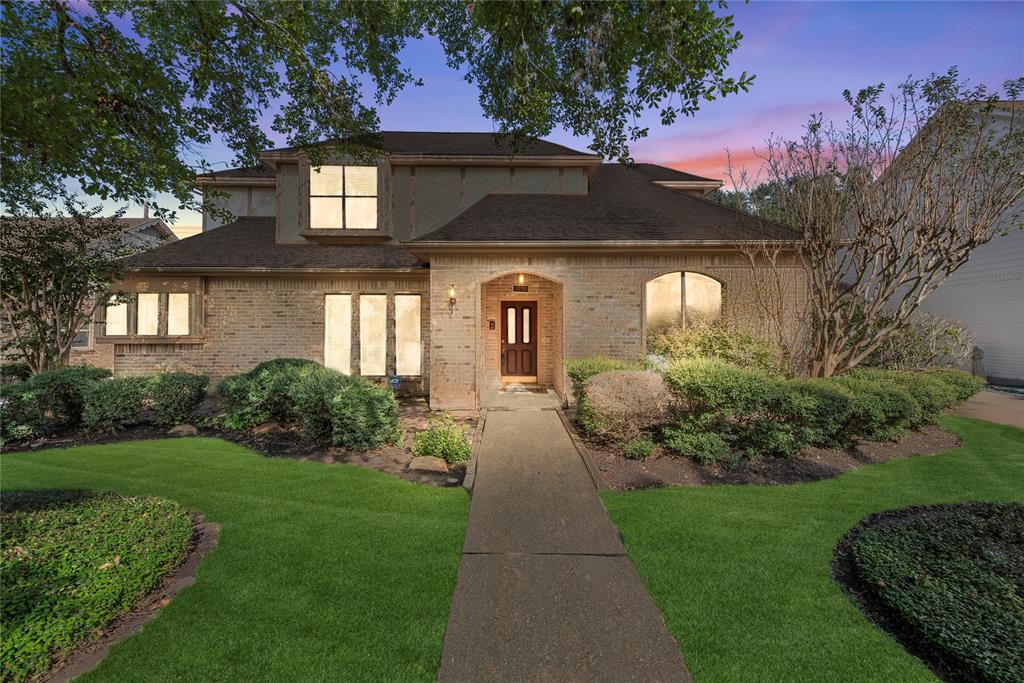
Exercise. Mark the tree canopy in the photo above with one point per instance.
(122, 94)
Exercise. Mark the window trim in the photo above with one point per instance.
(196, 334)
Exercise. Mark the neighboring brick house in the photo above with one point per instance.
(454, 264)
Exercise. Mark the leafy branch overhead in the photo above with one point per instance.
(123, 95)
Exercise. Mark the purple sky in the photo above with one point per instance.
(803, 53)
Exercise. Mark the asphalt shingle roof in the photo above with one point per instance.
(623, 204)
(248, 244)
(461, 144)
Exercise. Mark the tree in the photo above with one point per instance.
(56, 272)
(123, 94)
(891, 202)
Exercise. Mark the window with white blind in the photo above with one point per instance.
(408, 350)
(343, 198)
(179, 314)
(376, 323)
(148, 314)
(338, 332)
(117, 319)
(373, 334)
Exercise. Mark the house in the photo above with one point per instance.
(452, 264)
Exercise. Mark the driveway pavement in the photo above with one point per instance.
(994, 406)
(545, 590)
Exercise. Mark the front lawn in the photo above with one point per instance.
(742, 573)
(321, 572)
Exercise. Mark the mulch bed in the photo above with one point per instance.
(283, 442)
(89, 655)
(812, 464)
(844, 572)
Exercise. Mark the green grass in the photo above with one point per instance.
(322, 573)
(742, 573)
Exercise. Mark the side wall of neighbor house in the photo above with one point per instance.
(603, 308)
(987, 295)
(252, 319)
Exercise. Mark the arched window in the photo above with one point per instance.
(686, 299)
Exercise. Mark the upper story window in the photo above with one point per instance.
(343, 198)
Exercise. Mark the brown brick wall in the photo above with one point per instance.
(603, 308)
(249, 320)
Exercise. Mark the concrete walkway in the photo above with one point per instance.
(545, 590)
(994, 406)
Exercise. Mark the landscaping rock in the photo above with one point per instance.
(182, 430)
(267, 428)
(426, 463)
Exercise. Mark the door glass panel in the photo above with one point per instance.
(338, 332)
(149, 314)
(373, 335)
(510, 315)
(526, 325)
(407, 334)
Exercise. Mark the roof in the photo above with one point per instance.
(623, 204)
(664, 173)
(427, 143)
(260, 171)
(248, 244)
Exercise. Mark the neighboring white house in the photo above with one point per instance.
(987, 295)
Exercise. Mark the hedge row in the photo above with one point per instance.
(60, 400)
(326, 405)
(724, 411)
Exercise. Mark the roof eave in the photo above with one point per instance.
(222, 270)
(632, 246)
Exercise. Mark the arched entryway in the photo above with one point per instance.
(521, 336)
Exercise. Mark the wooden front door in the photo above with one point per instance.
(519, 341)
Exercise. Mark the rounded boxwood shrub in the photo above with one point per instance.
(881, 410)
(364, 416)
(639, 448)
(694, 441)
(115, 403)
(312, 395)
(443, 439)
(46, 403)
(174, 396)
(953, 578)
(262, 394)
(833, 408)
(931, 394)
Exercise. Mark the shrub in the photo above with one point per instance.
(693, 441)
(624, 403)
(963, 384)
(881, 410)
(953, 576)
(71, 562)
(833, 409)
(750, 411)
(443, 439)
(931, 394)
(312, 394)
(46, 403)
(174, 396)
(582, 369)
(714, 341)
(639, 448)
(113, 404)
(262, 394)
(16, 371)
(924, 341)
(364, 416)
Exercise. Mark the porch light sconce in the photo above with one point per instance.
(522, 279)
(451, 299)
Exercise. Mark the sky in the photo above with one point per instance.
(804, 54)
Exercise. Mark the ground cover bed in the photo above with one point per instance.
(947, 581)
(320, 573)
(72, 562)
(743, 574)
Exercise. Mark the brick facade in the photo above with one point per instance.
(587, 305)
(602, 308)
